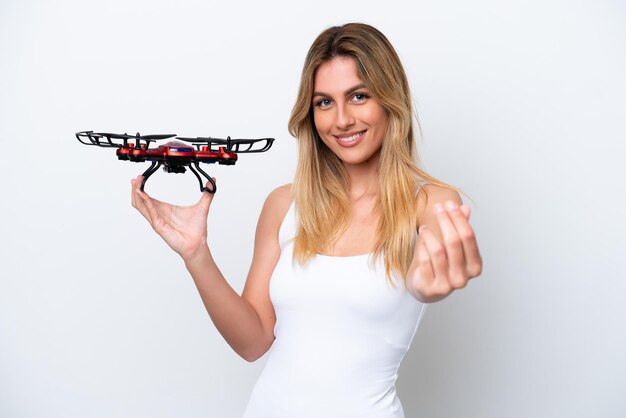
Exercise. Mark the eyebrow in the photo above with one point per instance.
(347, 92)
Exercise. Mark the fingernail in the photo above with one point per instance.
(438, 208)
(421, 228)
(451, 205)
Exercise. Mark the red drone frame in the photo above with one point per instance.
(174, 156)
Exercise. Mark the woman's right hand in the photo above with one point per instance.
(184, 228)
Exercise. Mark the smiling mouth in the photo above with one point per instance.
(346, 140)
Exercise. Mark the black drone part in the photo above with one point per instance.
(155, 165)
(231, 145)
(160, 157)
(168, 168)
(106, 139)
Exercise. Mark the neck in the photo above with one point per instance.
(363, 178)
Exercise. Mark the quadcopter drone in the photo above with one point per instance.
(174, 156)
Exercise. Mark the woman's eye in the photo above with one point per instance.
(359, 97)
(323, 103)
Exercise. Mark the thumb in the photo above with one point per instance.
(207, 198)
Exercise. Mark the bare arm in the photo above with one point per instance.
(246, 322)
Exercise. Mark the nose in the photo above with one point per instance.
(345, 119)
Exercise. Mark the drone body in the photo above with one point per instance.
(175, 156)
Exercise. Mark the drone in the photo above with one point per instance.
(175, 156)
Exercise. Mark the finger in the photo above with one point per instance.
(206, 198)
(151, 206)
(425, 268)
(206, 195)
(438, 258)
(466, 211)
(132, 192)
(457, 274)
(473, 261)
(141, 205)
(135, 184)
(144, 203)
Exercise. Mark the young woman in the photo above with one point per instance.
(340, 276)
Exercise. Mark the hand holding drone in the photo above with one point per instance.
(174, 156)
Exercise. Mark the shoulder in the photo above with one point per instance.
(280, 198)
(431, 194)
(277, 204)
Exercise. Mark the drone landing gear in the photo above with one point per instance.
(150, 171)
(180, 169)
(213, 188)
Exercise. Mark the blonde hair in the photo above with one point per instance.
(321, 181)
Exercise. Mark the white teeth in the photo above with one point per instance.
(351, 138)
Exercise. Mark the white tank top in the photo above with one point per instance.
(341, 332)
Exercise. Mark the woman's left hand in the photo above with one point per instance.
(445, 261)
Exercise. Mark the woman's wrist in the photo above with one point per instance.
(198, 257)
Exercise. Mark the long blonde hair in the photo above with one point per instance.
(321, 181)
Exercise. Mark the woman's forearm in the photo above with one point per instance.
(233, 316)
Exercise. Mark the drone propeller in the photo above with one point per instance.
(232, 145)
(139, 136)
(115, 136)
(105, 139)
(156, 137)
(205, 140)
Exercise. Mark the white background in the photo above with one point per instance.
(521, 105)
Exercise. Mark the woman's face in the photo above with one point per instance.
(349, 120)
